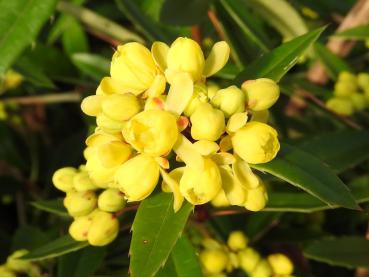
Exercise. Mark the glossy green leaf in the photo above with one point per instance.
(21, 20)
(94, 66)
(185, 260)
(360, 32)
(305, 171)
(168, 270)
(349, 252)
(82, 263)
(184, 12)
(280, 15)
(276, 63)
(56, 248)
(54, 206)
(28, 237)
(339, 150)
(332, 63)
(156, 229)
(74, 38)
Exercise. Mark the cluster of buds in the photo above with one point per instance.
(219, 260)
(158, 102)
(351, 93)
(92, 208)
(15, 266)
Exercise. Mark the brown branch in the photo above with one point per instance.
(196, 33)
(358, 15)
(228, 212)
(44, 99)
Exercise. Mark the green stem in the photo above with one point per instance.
(44, 99)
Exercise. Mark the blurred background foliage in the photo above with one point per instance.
(54, 53)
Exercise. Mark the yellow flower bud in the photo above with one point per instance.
(363, 80)
(110, 86)
(256, 198)
(200, 186)
(220, 200)
(104, 228)
(341, 106)
(63, 178)
(152, 132)
(102, 176)
(83, 182)
(12, 80)
(113, 153)
(230, 100)
(236, 122)
(214, 261)
(111, 200)
(205, 147)
(207, 123)
(261, 93)
(358, 101)
(344, 88)
(6, 272)
(281, 264)
(345, 76)
(256, 143)
(80, 203)
(237, 241)
(198, 97)
(109, 125)
(262, 269)
(18, 265)
(185, 55)
(121, 107)
(91, 105)
(248, 259)
(212, 89)
(80, 227)
(134, 67)
(138, 177)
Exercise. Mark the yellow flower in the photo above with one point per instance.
(83, 182)
(18, 265)
(262, 269)
(207, 123)
(80, 227)
(121, 106)
(230, 100)
(345, 76)
(12, 80)
(281, 264)
(256, 198)
(363, 80)
(152, 132)
(134, 67)
(256, 143)
(344, 88)
(63, 178)
(138, 177)
(233, 189)
(109, 125)
(340, 105)
(199, 186)
(80, 203)
(185, 55)
(198, 97)
(248, 259)
(214, 261)
(261, 93)
(104, 228)
(91, 105)
(101, 176)
(237, 241)
(110, 86)
(6, 272)
(220, 200)
(358, 100)
(111, 200)
(171, 184)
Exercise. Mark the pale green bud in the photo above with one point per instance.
(63, 178)
(261, 93)
(344, 88)
(340, 105)
(111, 200)
(230, 100)
(281, 264)
(248, 259)
(104, 228)
(214, 261)
(363, 80)
(80, 203)
(237, 241)
(358, 101)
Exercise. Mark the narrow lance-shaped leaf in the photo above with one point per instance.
(360, 32)
(156, 229)
(276, 63)
(303, 170)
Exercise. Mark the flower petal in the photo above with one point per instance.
(188, 153)
(217, 58)
(244, 174)
(174, 187)
(233, 189)
(159, 52)
(180, 93)
(237, 121)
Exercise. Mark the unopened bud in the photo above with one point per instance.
(261, 93)
(63, 178)
(230, 100)
(80, 203)
(111, 200)
(237, 241)
(104, 228)
(281, 264)
(214, 261)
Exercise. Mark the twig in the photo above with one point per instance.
(228, 212)
(44, 99)
(196, 33)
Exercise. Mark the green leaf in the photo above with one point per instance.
(28, 237)
(54, 206)
(276, 63)
(74, 39)
(147, 26)
(156, 229)
(94, 66)
(339, 150)
(305, 171)
(281, 16)
(349, 252)
(361, 32)
(56, 248)
(82, 263)
(332, 63)
(21, 20)
(184, 12)
(185, 259)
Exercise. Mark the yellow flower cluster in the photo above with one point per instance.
(15, 266)
(91, 206)
(218, 259)
(157, 104)
(351, 93)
